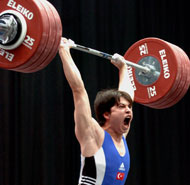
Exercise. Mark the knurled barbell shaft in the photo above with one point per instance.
(109, 57)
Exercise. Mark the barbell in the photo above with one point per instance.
(30, 34)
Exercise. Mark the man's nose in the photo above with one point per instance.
(128, 110)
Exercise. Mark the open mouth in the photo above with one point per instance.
(127, 120)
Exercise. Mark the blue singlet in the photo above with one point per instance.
(107, 166)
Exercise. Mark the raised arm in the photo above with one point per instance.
(71, 71)
(86, 128)
(124, 80)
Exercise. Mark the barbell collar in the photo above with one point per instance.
(13, 29)
(8, 28)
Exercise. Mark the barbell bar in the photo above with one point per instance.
(4, 29)
(109, 57)
(30, 34)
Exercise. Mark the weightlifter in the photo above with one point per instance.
(105, 156)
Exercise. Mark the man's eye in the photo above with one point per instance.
(121, 106)
(130, 106)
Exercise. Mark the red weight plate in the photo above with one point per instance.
(175, 90)
(183, 90)
(54, 50)
(184, 83)
(163, 53)
(35, 37)
(185, 87)
(41, 48)
(187, 61)
(57, 39)
(58, 36)
(175, 96)
(50, 43)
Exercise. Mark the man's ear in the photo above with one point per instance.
(106, 115)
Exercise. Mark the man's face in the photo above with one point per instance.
(121, 115)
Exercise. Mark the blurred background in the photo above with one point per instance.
(37, 141)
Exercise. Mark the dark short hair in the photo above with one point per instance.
(105, 99)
